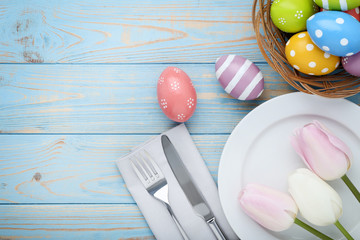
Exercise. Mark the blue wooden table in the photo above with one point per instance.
(78, 90)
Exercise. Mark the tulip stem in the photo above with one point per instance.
(312, 230)
(343, 230)
(351, 186)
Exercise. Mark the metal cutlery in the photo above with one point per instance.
(154, 181)
(192, 193)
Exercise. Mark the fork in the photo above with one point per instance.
(154, 181)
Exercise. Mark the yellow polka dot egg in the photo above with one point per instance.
(306, 57)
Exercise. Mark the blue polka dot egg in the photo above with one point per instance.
(334, 32)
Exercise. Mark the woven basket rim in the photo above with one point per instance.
(271, 42)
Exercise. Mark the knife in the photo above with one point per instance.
(194, 196)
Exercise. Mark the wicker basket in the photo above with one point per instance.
(272, 41)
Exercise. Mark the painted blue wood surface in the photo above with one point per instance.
(76, 168)
(111, 221)
(136, 31)
(114, 99)
(62, 126)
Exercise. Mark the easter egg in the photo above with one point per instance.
(355, 12)
(338, 5)
(307, 58)
(290, 16)
(335, 32)
(239, 77)
(352, 64)
(176, 94)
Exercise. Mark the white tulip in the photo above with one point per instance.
(318, 202)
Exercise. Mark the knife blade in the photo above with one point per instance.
(192, 193)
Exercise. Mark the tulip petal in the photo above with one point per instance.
(318, 202)
(298, 144)
(270, 208)
(337, 142)
(325, 159)
(315, 146)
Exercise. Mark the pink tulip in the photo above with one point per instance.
(272, 209)
(323, 152)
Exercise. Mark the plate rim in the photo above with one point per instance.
(295, 95)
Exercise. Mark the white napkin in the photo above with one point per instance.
(155, 213)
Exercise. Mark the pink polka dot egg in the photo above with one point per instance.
(239, 77)
(176, 94)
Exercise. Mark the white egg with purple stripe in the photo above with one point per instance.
(334, 32)
(240, 77)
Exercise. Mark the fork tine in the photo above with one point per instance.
(150, 162)
(145, 166)
(157, 186)
(139, 170)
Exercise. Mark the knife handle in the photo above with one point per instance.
(216, 229)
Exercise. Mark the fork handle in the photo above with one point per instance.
(183, 234)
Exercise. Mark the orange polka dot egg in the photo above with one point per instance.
(306, 57)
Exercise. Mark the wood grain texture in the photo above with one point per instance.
(114, 99)
(62, 126)
(75, 168)
(139, 31)
(115, 221)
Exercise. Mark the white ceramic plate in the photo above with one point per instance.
(259, 151)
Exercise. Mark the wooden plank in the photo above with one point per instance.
(114, 99)
(111, 221)
(76, 168)
(121, 31)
